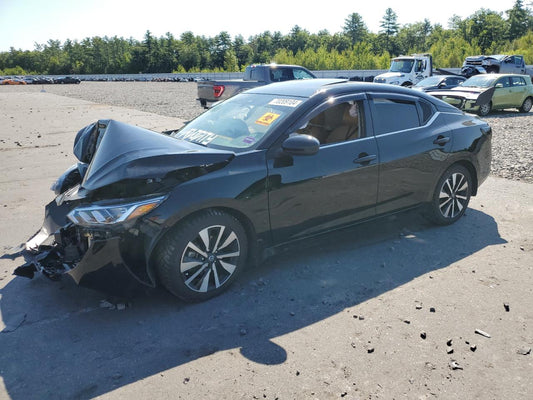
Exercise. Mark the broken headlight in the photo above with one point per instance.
(98, 215)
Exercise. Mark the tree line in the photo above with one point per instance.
(354, 47)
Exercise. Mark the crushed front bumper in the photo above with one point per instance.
(112, 261)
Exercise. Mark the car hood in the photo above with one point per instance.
(390, 75)
(117, 151)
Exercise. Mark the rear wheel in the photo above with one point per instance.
(526, 105)
(451, 196)
(202, 256)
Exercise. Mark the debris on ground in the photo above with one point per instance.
(482, 333)
(524, 351)
(113, 306)
(454, 365)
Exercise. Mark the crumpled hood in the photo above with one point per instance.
(390, 75)
(481, 95)
(118, 151)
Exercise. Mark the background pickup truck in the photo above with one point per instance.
(255, 75)
(497, 64)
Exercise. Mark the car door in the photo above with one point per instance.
(413, 139)
(519, 91)
(334, 187)
(503, 93)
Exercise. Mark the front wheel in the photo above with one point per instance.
(484, 109)
(451, 196)
(526, 105)
(201, 257)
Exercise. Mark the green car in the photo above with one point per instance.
(483, 93)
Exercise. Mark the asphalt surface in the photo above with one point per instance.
(388, 309)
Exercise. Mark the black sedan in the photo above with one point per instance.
(67, 79)
(437, 82)
(191, 208)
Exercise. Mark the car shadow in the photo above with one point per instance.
(62, 344)
(506, 113)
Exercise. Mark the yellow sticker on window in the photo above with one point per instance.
(267, 118)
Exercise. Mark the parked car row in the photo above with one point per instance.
(484, 93)
(38, 80)
(481, 93)
(142, 79)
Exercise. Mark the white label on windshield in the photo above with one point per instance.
(285, 102)
(197, 136)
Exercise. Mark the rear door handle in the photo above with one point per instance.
(441, 140)
(364, 158)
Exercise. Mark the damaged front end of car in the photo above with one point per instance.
(103, 224)
(464, 99)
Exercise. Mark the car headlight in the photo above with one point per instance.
(112, 214)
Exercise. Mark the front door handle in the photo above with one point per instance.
(441, 140)
(364, 158)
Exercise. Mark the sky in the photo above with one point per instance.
(26, 22)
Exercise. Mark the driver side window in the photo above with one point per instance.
(339, 123)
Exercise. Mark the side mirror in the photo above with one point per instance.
(499, 85)
(301, 145)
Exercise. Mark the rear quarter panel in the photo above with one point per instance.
(472, 144)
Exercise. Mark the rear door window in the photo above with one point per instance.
(394, 114)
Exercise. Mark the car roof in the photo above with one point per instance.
(309, 87)
(489, 76)
(299, 88)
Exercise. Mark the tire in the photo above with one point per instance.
(485, 109)
(202, 256)
(526, 105)
(451, 196)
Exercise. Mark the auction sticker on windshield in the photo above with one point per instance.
(267, 119)
(285, 102)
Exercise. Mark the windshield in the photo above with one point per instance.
(431, 81)
(480, 81)
(401, 65)
(239, 122)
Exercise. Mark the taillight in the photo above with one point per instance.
(218, 90)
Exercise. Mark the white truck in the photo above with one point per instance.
(407, 70)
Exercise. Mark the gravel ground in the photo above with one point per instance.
(512, 140)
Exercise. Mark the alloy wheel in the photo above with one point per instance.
(210, 259)
(454, 195)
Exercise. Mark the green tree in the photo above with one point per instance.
(221, 45)
(488, 28)
(519, 19)
(413, 37)
(386, 40)
(243, 52)
(389, 23)
(355, 28)
(297, 40)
